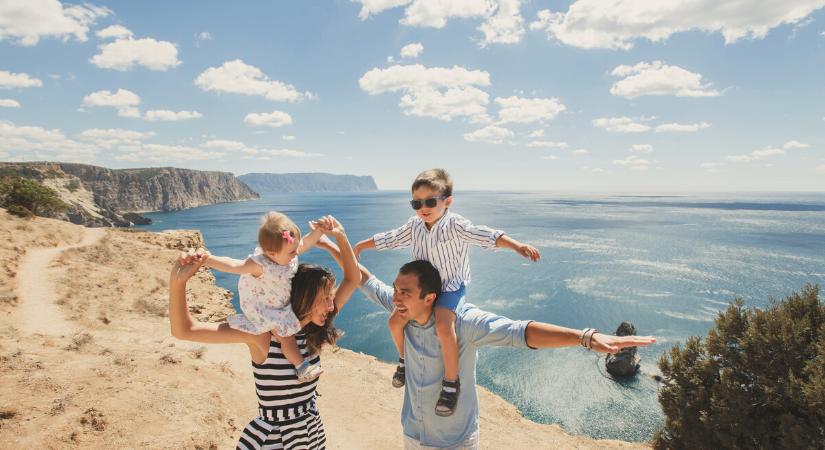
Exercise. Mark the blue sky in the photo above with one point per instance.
(589, 95)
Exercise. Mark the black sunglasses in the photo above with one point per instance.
(428, 202)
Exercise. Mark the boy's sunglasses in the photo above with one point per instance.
(428, 202)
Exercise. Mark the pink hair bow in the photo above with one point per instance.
(288, 236)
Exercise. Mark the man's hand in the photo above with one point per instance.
(528, 251)
(605, 343)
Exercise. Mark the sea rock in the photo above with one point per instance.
(626, 361)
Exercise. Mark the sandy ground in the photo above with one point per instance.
(87, 361)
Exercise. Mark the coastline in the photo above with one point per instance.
(102, 371)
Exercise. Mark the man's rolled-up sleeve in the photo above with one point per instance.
(487, 329)
(378, 292)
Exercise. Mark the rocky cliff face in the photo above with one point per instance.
(97, 196)
(308, 182)
(159, 189)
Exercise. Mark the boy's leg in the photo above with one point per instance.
(396, 325)
(445, 329)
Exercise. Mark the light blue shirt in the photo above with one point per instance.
(425, 368)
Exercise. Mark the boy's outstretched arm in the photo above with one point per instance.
(525, 250)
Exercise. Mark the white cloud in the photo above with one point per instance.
(125, 54)
(32, 143)
(794, 145)
(633, 162)
(436, 13)
(757, 155)
(820, 168)
(113, 137)
(537, 133)
(439, 92)
(580, 151)
(169, 116)
(123, 100)
(288, 137)
(30, 20)
(238, 77)
(547, 144)
(9, 103)
(162, 153)
(373, 7)
(618, 24)
(527, 110)
(10, 80)
(411, 50)
(598, 170)
(114, 32)
(681, 127)
(203, 36)
(490, 135)
(273, 119)
(390, 59)
(506, 26)
(621, 124)
(550, 157)
(641, 148)
(658, 78)
(255, 152)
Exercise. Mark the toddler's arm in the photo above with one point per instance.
(232, 265)
(317, 228)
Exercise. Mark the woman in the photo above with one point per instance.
(288, 415)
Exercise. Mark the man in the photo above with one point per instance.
(413, 292)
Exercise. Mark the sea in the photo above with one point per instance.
(667, 264)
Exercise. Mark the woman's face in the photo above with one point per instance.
(323, 305)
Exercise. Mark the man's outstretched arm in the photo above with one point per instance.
(545, 335)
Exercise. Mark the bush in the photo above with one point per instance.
(758, 380)
(29, 194)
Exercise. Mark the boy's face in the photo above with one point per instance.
(427, 214)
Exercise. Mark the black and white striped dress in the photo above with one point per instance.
(289, 418)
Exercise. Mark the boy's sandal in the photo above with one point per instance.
(399, 378)
(308, 371)
(447, 401)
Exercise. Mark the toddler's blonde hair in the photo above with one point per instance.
(271, 232)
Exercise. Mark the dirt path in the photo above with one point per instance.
(38, 312)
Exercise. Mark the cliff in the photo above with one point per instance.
(97, 196)
(308, 182)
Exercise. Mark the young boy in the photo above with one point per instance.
(442, 238)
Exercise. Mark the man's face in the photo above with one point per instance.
(431, 215)
(407, 299)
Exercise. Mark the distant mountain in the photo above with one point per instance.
(308, 182)
(98, 196)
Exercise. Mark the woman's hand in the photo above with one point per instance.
(188, 264)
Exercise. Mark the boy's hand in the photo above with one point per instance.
(529, 252)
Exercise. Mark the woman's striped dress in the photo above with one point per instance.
(288, 417)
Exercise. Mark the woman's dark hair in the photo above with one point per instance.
(308, 281)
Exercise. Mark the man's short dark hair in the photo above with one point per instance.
(429, 281)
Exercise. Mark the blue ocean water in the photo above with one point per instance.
(668, 264)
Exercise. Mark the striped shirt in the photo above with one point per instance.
(446, 245)
(280, 395)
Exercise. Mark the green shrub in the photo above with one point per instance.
(19, 211)
(31, 195)
(757, 380)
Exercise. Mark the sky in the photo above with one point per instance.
(625, 96)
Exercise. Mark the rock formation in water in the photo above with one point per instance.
(626, 361)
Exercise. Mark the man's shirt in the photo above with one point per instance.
(446, 245)
(425, 367)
